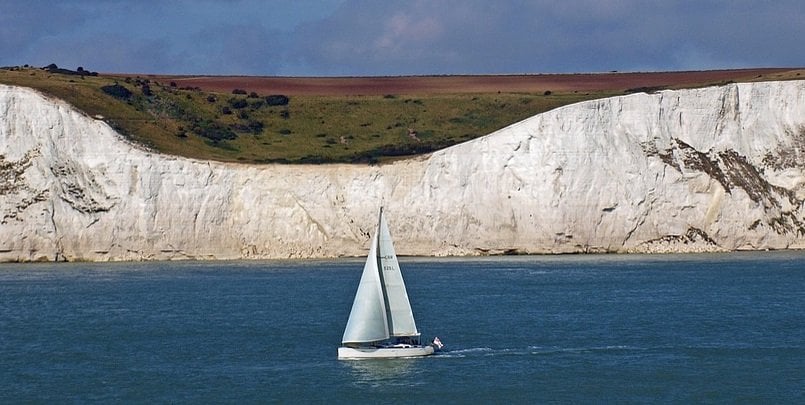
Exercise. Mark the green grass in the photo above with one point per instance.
(314, 129)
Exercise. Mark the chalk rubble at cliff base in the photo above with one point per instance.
(713, 169)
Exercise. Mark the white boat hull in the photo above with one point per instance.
(383, 352)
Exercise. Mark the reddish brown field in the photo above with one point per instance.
(335, 86)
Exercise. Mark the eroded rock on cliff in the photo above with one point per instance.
(710, 169)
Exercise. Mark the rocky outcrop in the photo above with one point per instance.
(710, 169)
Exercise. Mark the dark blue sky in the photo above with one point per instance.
(363, 37)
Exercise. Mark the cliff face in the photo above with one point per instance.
(711, 169)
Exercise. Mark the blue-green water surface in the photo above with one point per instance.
(625, 329)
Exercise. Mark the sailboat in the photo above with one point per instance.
(381, 323)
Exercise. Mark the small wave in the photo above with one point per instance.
(591, 349)
(473, 350)
(534, 350)
(483, 351)
(463, 352)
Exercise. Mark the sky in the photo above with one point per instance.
(395, 37)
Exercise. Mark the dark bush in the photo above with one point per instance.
(226, 110)
(118, 91)
(277, 99)
(401, 150)
(147, 90)
(256, 126)
(315, 159)
(238, 91)
(238, 103)
(211, 99)
(285, 114)
(253, 95)
(213, 131)
(52, 68)
(547, 93)
(645, 89)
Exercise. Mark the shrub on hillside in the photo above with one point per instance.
(645, 89)
(238, 103)
(256, 126)
(277, 99)
(238, 91)
(401, 149)
(52, 68)
(118, 91)
(253, 126)
(213, 131)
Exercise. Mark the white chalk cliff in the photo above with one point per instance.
(719, 168)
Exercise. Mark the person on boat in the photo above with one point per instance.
(437, 344)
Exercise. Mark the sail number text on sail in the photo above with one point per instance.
(387, 267)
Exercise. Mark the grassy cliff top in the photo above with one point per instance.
(251, 123)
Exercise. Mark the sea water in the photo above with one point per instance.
(601, 328)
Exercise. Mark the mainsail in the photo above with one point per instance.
(381, 308)
(400, 316)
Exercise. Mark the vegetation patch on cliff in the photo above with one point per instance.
(170, 115)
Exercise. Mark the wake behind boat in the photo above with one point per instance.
(381, 323)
